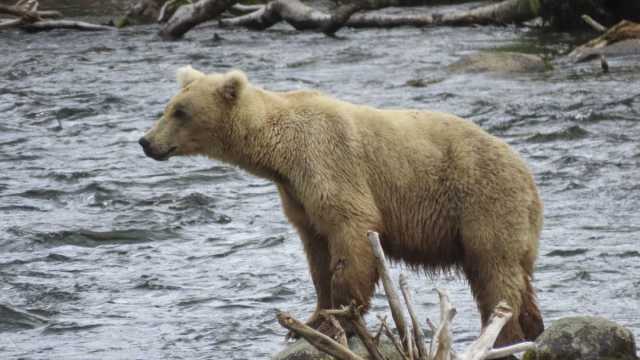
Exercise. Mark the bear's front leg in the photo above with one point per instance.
(317, 250)
(353, 270)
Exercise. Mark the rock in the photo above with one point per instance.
(584, 338)
(500, 62)
(302, 350)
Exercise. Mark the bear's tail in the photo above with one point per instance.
(530, 318)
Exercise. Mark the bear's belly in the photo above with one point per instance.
(430, 251)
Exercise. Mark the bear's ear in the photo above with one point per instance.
(233, 84)
(186, 75)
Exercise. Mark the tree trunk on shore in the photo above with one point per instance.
(188, 16)
(303, 17)
(351, 13)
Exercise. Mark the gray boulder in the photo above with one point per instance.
(584, 338)
(302, 350)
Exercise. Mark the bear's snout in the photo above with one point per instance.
(146, 147)
(144, 143)
(154, 153)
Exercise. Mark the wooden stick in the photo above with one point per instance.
(604, 64)
(441, 347)
(376, 338)
(316, 338)
(594, 24)
(65, 24)
(353, 315)
(510, 350)
(479, 349)
(10, 23)
(389, 289)
(246, 8)
(396, 343)
(409, 342)
(417, 331)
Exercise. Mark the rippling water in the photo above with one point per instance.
(106, 254)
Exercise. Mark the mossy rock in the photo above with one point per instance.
(584, 338)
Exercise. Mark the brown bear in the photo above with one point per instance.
(442, 193)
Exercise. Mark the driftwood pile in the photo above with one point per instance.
(28, 17)
(411, 344)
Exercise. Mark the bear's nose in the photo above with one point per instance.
(144, 142)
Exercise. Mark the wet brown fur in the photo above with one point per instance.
(442, 193)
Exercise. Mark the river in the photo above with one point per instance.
(128, 258)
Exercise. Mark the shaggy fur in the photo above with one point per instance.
(442, 193)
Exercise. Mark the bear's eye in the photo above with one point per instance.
(180, 114)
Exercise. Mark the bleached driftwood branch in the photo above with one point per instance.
(392, 295)
(417, 330)
(316, 338)
(442, 345)
(396, 343)
(594, 24)
(30, 18)
(353, 314)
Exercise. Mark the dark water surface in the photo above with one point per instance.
(116, 256)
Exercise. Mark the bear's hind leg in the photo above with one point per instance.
(530, 318)
(490, 285)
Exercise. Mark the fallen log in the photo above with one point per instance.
(303, 17)
(188, 16)
(294, 12)
(32, 19)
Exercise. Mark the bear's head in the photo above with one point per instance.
(199, 119)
